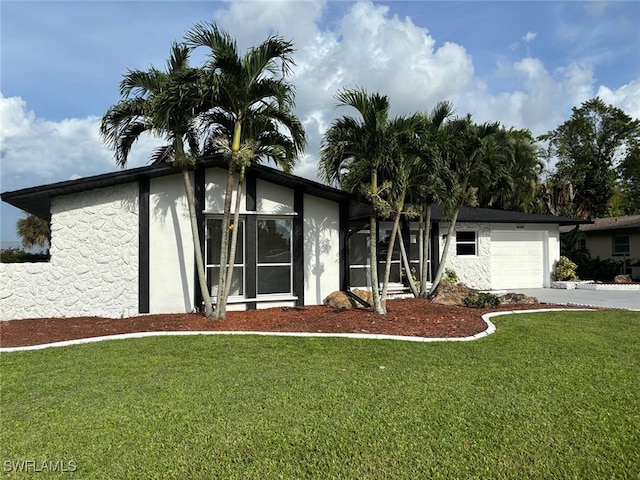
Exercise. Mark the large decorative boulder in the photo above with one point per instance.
(339, 299)
(453, 294)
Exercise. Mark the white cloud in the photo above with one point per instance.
(529, 37)
(251, 21)
(627, 97)
(35, 150)
(370, 49)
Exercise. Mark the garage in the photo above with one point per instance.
(517, 259)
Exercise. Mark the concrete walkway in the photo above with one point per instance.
(629, 300)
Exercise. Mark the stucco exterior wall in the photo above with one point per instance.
(171, 258)
(600, 244)
(321, 249)
(94, 260)
(473, 270)
(215, 185)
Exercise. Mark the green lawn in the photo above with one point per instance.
(553, 395)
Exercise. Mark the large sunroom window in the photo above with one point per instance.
(274, 266)
(213, 236)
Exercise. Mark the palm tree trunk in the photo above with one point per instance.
(373, 247)
(221, 308)
(445, 251)
(387, 265)
(425, 240)
(221, 300)
(202, 278)
(407, 265)
(234, 236)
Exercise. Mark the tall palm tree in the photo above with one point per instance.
(473, 154)
(253, 110)
(430, 179)
(359, 152)
(167, 104)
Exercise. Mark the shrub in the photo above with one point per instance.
(450, 276)
(603, 270)
(565, 270)
(17, 255)
(482, 300)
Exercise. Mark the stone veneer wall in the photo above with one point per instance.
(473, 271)
(94, 261)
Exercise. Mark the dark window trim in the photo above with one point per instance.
(144, 188)
(467, 242)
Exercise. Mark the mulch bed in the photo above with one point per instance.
(410, 317)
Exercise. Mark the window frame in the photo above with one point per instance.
(614, 250)
(243, 266)
(467, 242)
(289, 264)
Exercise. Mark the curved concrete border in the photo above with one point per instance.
(491, 328)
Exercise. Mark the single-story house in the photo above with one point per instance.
(121, 244)
(615, 238)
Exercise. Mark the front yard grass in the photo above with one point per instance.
(550, 395)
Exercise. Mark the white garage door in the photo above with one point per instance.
(517, 260)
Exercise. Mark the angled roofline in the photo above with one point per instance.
(37, 200)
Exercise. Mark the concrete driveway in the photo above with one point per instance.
(628, 300)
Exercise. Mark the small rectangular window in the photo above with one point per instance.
(621, 245)
(465, 243)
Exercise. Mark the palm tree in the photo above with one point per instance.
(430, 179)
(518, 189)
(253, 107)
(359, 152)
(33, 231)
(473, 154)
(167, 104)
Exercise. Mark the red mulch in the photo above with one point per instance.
(411, 317)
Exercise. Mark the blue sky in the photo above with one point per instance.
(525, 64)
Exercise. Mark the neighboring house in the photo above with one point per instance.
(122, 245)
(615, 238)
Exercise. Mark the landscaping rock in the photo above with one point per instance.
(517, 299)
(365, 295)
(622, 279)
(453, 294)
(339, 299)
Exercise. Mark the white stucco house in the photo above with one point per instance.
(121, 244)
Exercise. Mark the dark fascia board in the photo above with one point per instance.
(37, 200)
(481, 215)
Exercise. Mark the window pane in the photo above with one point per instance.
(465, 249)
(414, 245)
(466, 236)
(274, 241)
(359, 249)
(383, 246)
(214, 234)
(394, 274)
(359, 277)
(274, 279)
(621, 245)
(213, 241)
(237, 282)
